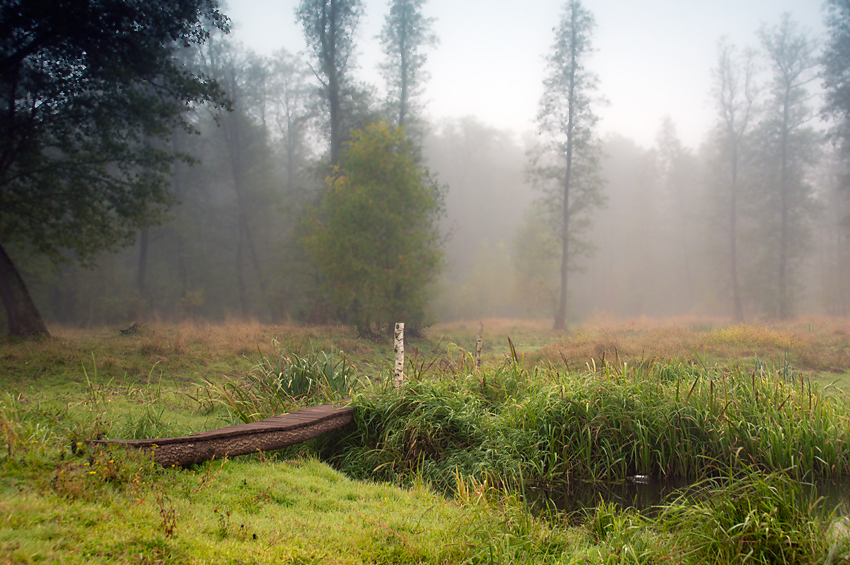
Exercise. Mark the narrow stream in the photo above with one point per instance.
(644, 496)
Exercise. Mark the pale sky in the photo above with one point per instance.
(653, 57)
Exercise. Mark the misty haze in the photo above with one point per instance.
(747, 223)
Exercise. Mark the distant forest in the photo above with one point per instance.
(753, 223)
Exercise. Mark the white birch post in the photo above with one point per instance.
(478, 346)
(398, 372)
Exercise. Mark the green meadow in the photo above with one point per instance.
(441, 470)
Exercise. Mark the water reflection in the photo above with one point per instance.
(646, 496)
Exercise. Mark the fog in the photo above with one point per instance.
(233, 247)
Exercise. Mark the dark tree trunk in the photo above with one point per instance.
(23, 316)
(784, 306)
(561, 314)
(142, 273)
(737, 306)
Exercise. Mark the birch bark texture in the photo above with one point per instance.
(398, 347)
(478, 344)
(566, 164)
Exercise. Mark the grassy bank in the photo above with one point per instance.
(756, 429)
(545, 427)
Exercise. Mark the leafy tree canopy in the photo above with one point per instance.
(404, 35)
(86, 91)
(836, 68)
(375, 237)
(89, 92)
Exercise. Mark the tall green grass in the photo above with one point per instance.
(289, 381)
(754, 518)
(546, 427)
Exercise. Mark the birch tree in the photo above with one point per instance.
(566, 166)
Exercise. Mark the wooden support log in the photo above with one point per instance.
(265, 435)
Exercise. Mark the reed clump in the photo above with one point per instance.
(755, 518)
(546, 427)
(286, 382)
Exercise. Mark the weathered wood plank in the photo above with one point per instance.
(265, 435)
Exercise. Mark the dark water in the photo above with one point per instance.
(647, 496)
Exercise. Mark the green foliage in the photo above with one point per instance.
(90, 93)
(113, 505)
(566, 167)
(548, 428)
(756, 518)
(375, 237)
(291, 382)
(406, 32)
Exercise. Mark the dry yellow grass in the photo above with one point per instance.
(819, 344)
(188, 350)
(198, 349)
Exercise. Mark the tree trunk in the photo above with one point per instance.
(334, 105)
(23, 316)
(142, 273)
(402, 98)
(784, 300)
(737, 306)
(561, 314)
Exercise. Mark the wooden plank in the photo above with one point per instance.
(266, 435)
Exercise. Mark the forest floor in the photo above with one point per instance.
(62, 504)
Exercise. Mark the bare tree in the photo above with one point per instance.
(291, 111)
(735, 94)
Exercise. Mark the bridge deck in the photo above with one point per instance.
(265, 435)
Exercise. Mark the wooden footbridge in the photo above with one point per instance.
(265, 435)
